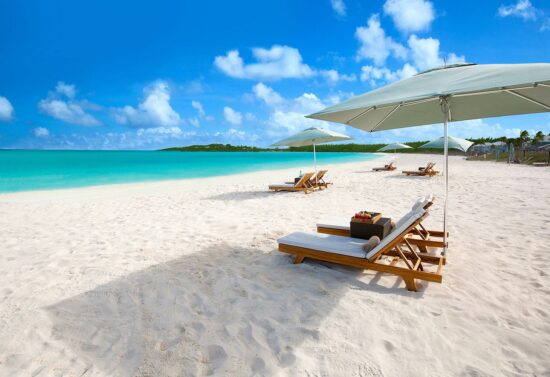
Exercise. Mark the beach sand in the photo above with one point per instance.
(183, 278)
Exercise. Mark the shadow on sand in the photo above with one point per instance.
(224, 310)
(243, 195)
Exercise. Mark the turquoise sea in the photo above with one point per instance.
(22, 170)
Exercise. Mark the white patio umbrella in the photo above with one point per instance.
(394, 147)
(452, 142)
(311, 136)
(452, 93)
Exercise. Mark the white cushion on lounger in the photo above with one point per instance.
(326, 242)
(343, 245)
(402, 220)
(335, 223)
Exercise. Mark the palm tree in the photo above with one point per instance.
(524, 135)
(538, 137)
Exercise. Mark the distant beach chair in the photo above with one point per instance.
(419, 235)
(405, 261)
(389, 167)
(303, 184)
(428, 170)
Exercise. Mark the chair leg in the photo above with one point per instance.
(298, 259)
(410, 283)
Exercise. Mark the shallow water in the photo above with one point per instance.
(22, 170)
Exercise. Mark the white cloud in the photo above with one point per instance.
(278, 62)
(267, 94)
(523, 9)
(198, 106)
(375, 45)
(41, 132)
(425, 53)
(195, 121)
(6, 109)
(378, 75)
(333, 76)
(155, 110)
(250, 117)
(339, 7)
(232, 116)
(287, 115)
(410, 15)
(62, 105)
(68, 90)
(160, 131)
(67, 111)
(233, 135)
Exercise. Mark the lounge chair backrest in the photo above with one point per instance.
(403, 219)
(420, 204)
(423, 202)
(321, 174)
(302, 182)
(398, 232)
(390, 165)
(430, 166)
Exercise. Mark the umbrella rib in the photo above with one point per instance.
(523, 96)
(386, 117)
(360, 114)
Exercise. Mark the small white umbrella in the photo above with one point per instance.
(311, 136)
(452, 93)
(453, 142)
(394, 147)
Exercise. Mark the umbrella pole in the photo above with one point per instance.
(446, 109)
(315, 162)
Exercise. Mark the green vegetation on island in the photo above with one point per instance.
(339, 147)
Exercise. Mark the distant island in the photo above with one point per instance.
(348, 147)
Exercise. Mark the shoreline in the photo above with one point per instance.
(128, 185)
(245, 169)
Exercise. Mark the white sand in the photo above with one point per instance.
(183, 278)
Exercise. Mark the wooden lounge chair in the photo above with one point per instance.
(418, 236)
(428, 170)
(319, 179)
(302, 185)
(405, 261)
(389, 167)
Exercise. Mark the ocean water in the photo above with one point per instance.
(22, 170)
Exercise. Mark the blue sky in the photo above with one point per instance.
(145, 75)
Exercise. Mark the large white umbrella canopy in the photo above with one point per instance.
(311, 136)
(394, 146)
(453, 93)
(453, 143)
